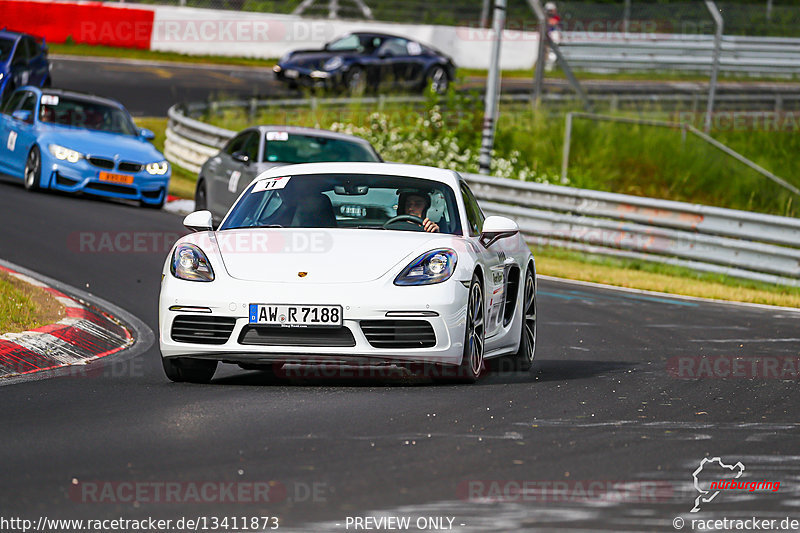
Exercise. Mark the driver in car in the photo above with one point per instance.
(416, 204)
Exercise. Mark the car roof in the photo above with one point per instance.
(313, 132)
(441, 175)
(86, 97)
(378, 34)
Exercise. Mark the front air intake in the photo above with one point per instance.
(202, 329)
(399, 333)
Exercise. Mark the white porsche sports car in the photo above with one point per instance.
(349, 263)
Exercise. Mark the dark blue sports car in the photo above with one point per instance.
(23, 61)
(80, 143)
(368, 61)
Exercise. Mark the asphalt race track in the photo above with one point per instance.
(600, 405)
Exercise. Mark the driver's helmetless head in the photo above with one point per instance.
(416, 205)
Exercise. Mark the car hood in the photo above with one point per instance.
(326, 256)
(102, 144)
(312, 59)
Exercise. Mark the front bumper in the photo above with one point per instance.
(442, 305)
(82, 177)
(310, 79)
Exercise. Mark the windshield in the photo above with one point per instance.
(345, 201)
(6, 46)
(353, 42)
(287, 148)
(80, 113)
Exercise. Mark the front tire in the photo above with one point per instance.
(356, 81)
(184, 369)
(32, 175)
(472, 363)
(437, 80)
(523, 359)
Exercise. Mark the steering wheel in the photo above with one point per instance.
(401, 218)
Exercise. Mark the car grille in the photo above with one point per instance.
(152, 194)
(280, 336)
(399, 333)
(127, 166)
(202, 329)
(110, 187)
(101, 162)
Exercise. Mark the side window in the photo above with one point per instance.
(236, 144)
(414, 49)
(394, 47)
(20, 54)
(474, 214)
(13, 102)
(251, 146)
(32, 49)
(29, 103)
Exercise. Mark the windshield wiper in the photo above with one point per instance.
(370, 227)
(257, 227)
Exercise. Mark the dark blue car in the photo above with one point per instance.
(23, 61)
(80, 143)
(368, 61)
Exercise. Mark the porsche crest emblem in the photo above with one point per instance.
(302, 274)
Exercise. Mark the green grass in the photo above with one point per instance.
(24, 307)
(17, 310)
(133, 53)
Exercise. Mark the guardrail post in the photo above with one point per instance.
(712, 86)
(567, 142)
(538, 73)
(253, 108)
(485, 14)
(492, 89)
(626, 16)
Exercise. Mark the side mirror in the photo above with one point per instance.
(199, 221)
(496, 228)
(23, 116)
(241, 157)
(146, 134)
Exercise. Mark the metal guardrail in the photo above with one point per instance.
(614, 52)
(738, 243)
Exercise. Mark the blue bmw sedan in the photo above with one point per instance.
(79, 143)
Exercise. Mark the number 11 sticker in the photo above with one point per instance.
(271, 184)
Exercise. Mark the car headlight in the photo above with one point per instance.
(333, 63)
(190, 263)
(431, 267)
(158, 169)
(65, 154)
